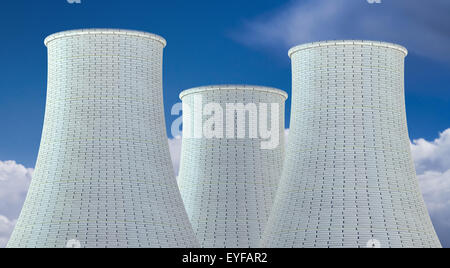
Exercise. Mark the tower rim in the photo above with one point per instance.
(306, 46)
(196, 90)
(111, 31)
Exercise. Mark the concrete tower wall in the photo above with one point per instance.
(228, 185)
(104, 177)
(349, 176)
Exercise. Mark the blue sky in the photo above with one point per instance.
(229, 42)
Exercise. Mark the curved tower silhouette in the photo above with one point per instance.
(348, 178)
(104, 177)
(228, 184)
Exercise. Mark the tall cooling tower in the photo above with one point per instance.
(228, 184)
(104, 177)
(348, 178)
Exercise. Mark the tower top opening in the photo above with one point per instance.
(105, 31)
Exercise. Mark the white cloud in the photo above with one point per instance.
(432, 159)
(434, 156)
(6, 228)
(14, 182)
(421, 26)
(436, 190)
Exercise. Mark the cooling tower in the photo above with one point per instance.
(348, 178)
(104, 177)
(228, 183)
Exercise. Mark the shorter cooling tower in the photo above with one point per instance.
(349, 178)
(228, 178)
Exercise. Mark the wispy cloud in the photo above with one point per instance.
(422, 26)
